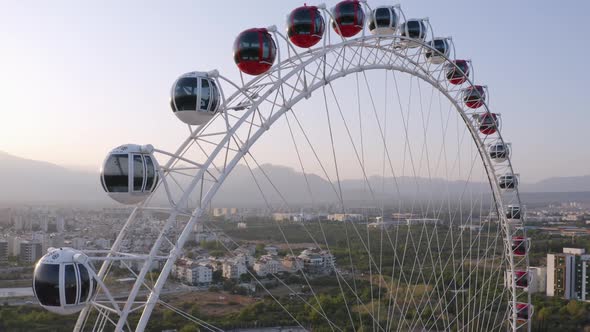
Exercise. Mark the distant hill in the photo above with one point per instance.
(31, 181)
(559, 184)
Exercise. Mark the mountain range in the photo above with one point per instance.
(31, 181)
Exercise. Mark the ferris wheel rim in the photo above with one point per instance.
(313, 55)
(492, 178)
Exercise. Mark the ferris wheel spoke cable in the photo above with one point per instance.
(484, 281)
(366, 183)
(312, 201)
(498, 236)
(333, 325)
(452, 256)
(99, 320)
(385, 148)
(429, 245)
(207, 156)
(477, 306)
(444, 130)
(371, 263)
(192, 318)
(406, 138)
(425, 213)
(341, 202)
(489, 304)
(102, 319)
(270, 207)
(445, 241)
(323, 313)
(381, 280)
(456, 293)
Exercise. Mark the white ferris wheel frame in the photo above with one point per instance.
(291, 81)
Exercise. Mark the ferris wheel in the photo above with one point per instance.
(400, 209)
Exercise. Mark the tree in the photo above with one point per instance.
(574, 308)
(189, 328)
(217, 276)
(228, 285)
(259, 250)
(245, 277)
(544, 313)
(195, 310)
(542, 316)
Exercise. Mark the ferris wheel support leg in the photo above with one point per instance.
(154, 251)
(156, 290)
(141, 277)
(117, 244)
(104, 267)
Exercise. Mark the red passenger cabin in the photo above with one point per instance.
(522, 311)
(519, 245)
(255, 51)
(521, 279)
(488, 123)
(305, 26)
(457, 72)
(348, 18)
(474, 96)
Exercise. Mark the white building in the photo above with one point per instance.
(193, 272)
(138, 265)
(568, 274)
(317, 261)
(199, 274)
(382, 223)
(295, 217)
(571, 217)
(227, 213)
(60, 224)
(284, 216)
(271, 250)
(267, 264)
(233, 268)
(30, 251)
(538, 281)
(292, 264)
(14, 245)
(422, 221)
(351, 217)
(246, 253)
(471, 228)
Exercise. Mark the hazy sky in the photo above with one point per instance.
(78, 77)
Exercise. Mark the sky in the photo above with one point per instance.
(79, 78)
